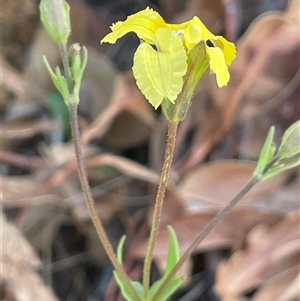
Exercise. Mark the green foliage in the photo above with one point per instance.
(77, 60)
(77, 66)
(59, 81)
(172, 258)
(272, 160)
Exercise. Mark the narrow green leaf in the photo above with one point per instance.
(124, 290)
(172, 258)
(266, 155)
(138, 287)
(173, 251)
(290, 130)
(120, 248)
(290, 142)
(168, 290)
(280, 167)
(52, 74)
(273, 171)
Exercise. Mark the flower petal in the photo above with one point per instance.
(143, 23)
(218, 65)
(192, 34)
(159, 75)
(228, 48)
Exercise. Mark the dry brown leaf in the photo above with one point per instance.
(128, 119)
(13, 81)
(214, 184)
(125, 166)
(229, 232)
(22, 160)
(253, 60)
(173, 201)
(24, 130)
(250, 268)
(17, 262)
(263, 77)
(277, 288)
(23, 191)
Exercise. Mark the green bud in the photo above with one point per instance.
(74, 58)
(197, 64)
(55, 16)
(271, 161)
(77, 59)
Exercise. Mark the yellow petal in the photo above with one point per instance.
(144, 24)
(159, 75)
(192, 34)
(205, 33)
(218, 65)
(228, 49)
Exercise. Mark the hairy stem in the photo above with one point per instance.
(91, 205)
(66, 65)
(205, 231)
(84, 180)
(172, 129)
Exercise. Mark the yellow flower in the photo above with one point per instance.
(161, 60)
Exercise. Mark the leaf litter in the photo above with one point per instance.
(254, 250)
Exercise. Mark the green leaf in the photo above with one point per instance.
(167, 291)
(273, 171)
(59, 81)
(173, 251)
(78, 60)
(266, 155)
(287, 157)
(280, 167)
(290, 142)
(138, 287)
(123, 287)
(122, 284)
(120, 248)
(172, 258)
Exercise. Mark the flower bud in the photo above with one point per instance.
(55, 16)
(75, 58)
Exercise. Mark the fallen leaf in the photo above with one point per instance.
(18, 261)
(278, 288)
(23, 191)
(127, 113)
(214, 184)
(229, 232)
(250, 268)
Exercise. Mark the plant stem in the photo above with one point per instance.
(66, 65)
(84, 180)
(205, 231)
(91, 205)
(172, 129)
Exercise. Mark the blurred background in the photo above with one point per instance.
(49, 248)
